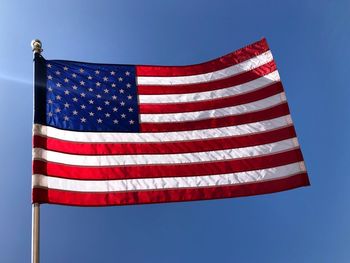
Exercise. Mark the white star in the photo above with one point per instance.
(91, 114)
(66, 118)
(121, 91)
(129, 97)
(106, 102)
(120, 79)
(115, 121)
(58, 110)
(50, 114)
(82, 83)
(114, 97)
(90, 89)
(122, 103)
(81, 70)
(49, 77)
(99, 108)
(98, 96)
(75, 99)
(123, 116)
(58, 73)
(112, 73)
(65, 68)
(99, 120)
(130, 109)
(98, 84)
(97, 72)
(131, 122)
(50, 89)
(58, 84)
(113, 85)
(49, 101)
(66, 80)
(127, 73)
(74, 75)
(83, 119)
(91, 101)
(66, 105)
(115, 109)
(58, 97)
(83, 106)
(107, 115)
(128, 85)
(66, 92)
(82, 94)
(105, 79)
(106, 90)
(49, 65)
(75, 87)
(75, 112)
(89, 77)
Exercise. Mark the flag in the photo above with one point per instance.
(109, 134)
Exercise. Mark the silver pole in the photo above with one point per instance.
(36, 48)
(35, 233)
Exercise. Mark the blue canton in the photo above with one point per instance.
(91, 97)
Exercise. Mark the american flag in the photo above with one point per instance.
(108, 134)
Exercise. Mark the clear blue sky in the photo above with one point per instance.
(310, 43)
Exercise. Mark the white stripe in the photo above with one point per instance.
(208, 114)
(214, 94)
(39, 180)
(122, 137)
(219, 74)
(147, 159)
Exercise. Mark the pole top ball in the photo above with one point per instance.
(36, 46)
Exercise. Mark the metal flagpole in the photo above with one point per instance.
(36, 48)
(35, 232)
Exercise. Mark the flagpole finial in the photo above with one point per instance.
(36, 46)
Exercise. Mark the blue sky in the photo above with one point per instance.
(310, 43)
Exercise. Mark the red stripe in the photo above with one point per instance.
(231, 142)
(270, 113)
(163, 170)
(228, 60)
(159, 196)
(211, 85)
(259, 94)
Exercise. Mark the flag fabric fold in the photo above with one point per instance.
(109, 134)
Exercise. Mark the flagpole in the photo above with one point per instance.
(35, 232)
(35, 255)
